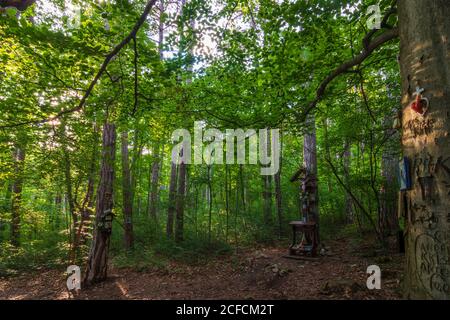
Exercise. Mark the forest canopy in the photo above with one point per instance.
(102, 104)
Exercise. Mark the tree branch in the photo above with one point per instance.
(20, 5)
(367, 51)
(99, 74)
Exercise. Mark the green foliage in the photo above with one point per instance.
(268, 60)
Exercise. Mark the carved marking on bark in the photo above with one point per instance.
(419, 127)
(433, 270)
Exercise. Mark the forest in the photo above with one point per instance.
(224, 149)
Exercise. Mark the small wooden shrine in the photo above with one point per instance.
(305, 233)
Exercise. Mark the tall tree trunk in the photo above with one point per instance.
(16, 203)
(180, 199)
(172, 200)
(88, 201)
(267, 197)
(278, 195)
(242, 188)
(327, 151)
(135, 171)
(58, 209)
(310, 165)
(154, 184)
(153, 199)
(425, 62)
(127, 194)
(6, 207)
(161, 29)
(388, 222)
(68, 184)
(97, 264)
(267, 191)
(278, 198)
(182, 170)
(349, 214)
(210, 201)
(227, 200)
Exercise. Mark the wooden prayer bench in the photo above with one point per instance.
(308, 240)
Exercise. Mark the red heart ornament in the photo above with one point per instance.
(420, 105)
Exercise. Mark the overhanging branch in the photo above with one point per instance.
(20, 5)
(346, 66)
(99, 74)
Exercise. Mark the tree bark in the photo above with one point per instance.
(267, 191)
(388, 222)
(154, 184)
(172, 200)
(349, 214)
(68, 184)
(6, 207)
(310, 165)
(127, 194)
(425, 62)
(97, 264)
(279, 201)
(210, 202)
(242, 188)
(180, 199)
(227, 201)
(88, 201)
(327, 151)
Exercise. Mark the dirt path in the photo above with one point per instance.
(261, 274)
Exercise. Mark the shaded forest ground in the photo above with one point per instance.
(260, 273)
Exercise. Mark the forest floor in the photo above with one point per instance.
(261, 273)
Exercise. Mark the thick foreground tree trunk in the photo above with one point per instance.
(425, 62)
(97, 264)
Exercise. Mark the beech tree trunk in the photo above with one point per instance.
(349, 215)
(425, 62)
(154, 184)
(88, 201)
(153, 199)
(210, 201)
(5, 207)
(16, 203)
(310, 165)
(127, 194)
(97, 264)
(68, 184)
(267, 190)
(179, 226)
(172, 200)
(388, 222)
(242, 188)
(227, 200)
(278, 198)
